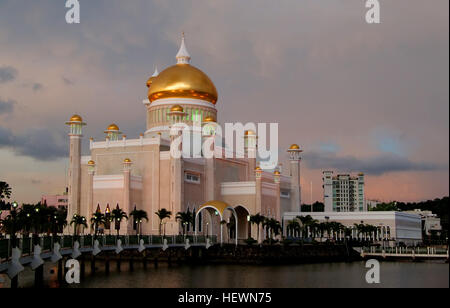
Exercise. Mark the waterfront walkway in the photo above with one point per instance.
(59, 246)
(404, 253)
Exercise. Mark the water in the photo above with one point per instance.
(329, 275)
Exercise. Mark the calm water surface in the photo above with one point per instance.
(339, 275)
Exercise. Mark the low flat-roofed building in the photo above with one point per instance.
(395, 227)
(430, 222)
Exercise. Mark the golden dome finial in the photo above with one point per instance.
(113, 127)
(209, 119)
(152, 78)
(294, 148)
(176, 108)
(76, 119)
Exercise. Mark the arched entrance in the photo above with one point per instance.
(217, 213)
(244, 227)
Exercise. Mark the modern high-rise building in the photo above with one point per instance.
(343, 192)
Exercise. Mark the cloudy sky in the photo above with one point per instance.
(356, 97)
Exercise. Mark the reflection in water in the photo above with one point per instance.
(327, 275)
(295, 276)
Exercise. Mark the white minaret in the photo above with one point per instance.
(75, 124)
(294, 157)
(89, 210)
(208, 137)
(176, 171)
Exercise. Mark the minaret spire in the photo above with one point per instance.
(156, 73)
(183, 56)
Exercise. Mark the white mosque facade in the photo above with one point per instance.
(141, 173)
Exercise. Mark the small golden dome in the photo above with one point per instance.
(113, 127)
(176, 108)
(250, 133)
(127, 160)
(91, 163)
(361, 174)
(277, 172)
(183, 81)
(150, 81)
(294, 147)
(209, 119)
(258, 169)
(76, 118)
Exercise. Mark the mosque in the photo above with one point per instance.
(141, 173)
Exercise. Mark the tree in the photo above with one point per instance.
(138, 217)
(78, 221)
(59, 220)
(118, 215)
(385, 207)
(293, 227)
(257, 220)
(98, 219)
(5, 191)
(273, 228)
(307, 222)
(162, 214)
(185, 218)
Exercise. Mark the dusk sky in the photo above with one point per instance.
(356, 97)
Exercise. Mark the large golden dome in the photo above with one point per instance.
(184, 81)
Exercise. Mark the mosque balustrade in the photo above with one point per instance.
(87, 242)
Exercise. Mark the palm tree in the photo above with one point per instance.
(57, 220)
(77, 221)
(257, 220)
(266, 226)
(98, 219)
(118, 215)
(5, 191)
(61, 219)
(185, 218)
(138, 217)
(307, 222)
(293, 226)
(162, 214)
(275, 228)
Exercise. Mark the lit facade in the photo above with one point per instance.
(141, 173)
